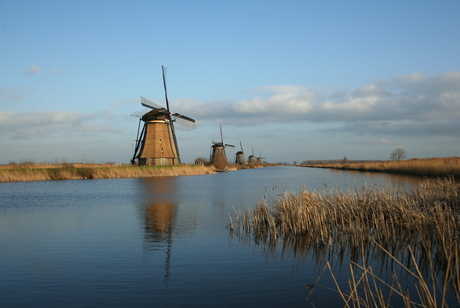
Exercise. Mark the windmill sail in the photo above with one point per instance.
(148, 104)
(157, 143)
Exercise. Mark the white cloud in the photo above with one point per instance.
(56, 71)
(281, 89)
(281, 103)
(371, 91)
(378, 141)
(34, 69)
(407, 104)
(416, 77)
(46, 124)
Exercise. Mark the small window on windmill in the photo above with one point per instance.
(162, 150)
(160, 140)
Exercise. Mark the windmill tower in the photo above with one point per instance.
(252, 158)
(239, 156)
(157, 144)
(218, 158)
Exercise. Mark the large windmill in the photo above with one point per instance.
(157, 144)
(239, 156)
(218, 158)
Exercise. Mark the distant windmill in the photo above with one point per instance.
(218, 158)
(239, 156)
(252, 158)
(157, 144)
(259, 159)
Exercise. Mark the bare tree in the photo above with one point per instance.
(398, 154)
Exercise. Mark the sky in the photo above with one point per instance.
(290, 80)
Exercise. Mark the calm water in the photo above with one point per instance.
(154, 241)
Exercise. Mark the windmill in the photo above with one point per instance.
(239, 156)
(259, 159)
(218, 158)
(252, 158)
(156, 144)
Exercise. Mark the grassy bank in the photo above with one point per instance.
(447, 166)
(419, 231)
(44, 172)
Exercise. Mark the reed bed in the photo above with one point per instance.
(448, 166)
(419, 228)
(87, 171)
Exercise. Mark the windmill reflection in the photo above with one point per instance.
(158, 215)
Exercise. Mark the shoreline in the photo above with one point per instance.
(424, 167)
(48, 172)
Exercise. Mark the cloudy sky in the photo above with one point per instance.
(292, 80)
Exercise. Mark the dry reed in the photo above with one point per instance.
(447, 166)
(89, 171)
(421, 228)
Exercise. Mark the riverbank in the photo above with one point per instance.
(431, 167)
(45, 172)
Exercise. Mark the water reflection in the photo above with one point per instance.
(406, 182)
(158, 215)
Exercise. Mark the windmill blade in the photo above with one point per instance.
(241, 145)
(221, 136)
(139, 142)
(178, 115)
(164, 84)
(229, 145)
(173, 131)
(163, 69)
(148, 104)
(185, 121)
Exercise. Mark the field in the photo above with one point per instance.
(65, 171)
(446, 166)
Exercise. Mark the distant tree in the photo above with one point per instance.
(345, 160)
(201, 161)
(398, 154)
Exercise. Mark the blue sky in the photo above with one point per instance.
(293, 80)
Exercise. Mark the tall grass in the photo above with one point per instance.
(448, 166)
(43, 172)
(420, 231)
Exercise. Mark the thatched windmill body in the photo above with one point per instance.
(239, 156)
(156, 144)
(218, 157)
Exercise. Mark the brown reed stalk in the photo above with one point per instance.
(425, 224)
(80, 171)
(443, 166)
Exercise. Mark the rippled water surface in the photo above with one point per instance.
(154, 241)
